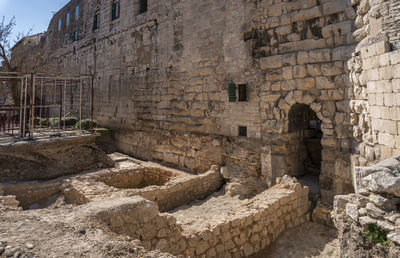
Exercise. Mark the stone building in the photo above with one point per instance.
(267, 87)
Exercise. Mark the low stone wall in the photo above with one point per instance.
(50, 158)
(181, 188)
(376, 202)
(242, 233)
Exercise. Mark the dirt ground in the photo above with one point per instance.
(309, 240)
(206, 213)
(62, 232)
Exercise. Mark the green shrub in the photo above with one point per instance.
(376, 234)
(53, 121)
(86, 124)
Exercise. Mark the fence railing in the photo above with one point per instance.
(44, 104)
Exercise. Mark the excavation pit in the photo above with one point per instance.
(138, 179)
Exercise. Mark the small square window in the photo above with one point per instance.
(243, 92)
(243, 131)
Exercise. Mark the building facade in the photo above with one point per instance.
(268, 88)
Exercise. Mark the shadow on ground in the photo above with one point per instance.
(307, 240)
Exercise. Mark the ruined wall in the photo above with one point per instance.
(244, 233)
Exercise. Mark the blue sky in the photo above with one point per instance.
(35, 14)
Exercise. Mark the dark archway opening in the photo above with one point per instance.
(305, 128)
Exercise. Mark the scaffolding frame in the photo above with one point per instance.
(25, 119)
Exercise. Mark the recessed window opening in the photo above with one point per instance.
(115, 10)
(77, 12)
(142, 6)
(66, 39)
(75, 36)
(67, 20)
(96, 20)
(243, 92)
(243, 131)
(59, 24)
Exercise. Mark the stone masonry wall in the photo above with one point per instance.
(374, 73)
(241, 234)
(161, 77)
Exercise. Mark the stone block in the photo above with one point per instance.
(306, 83)
(287, 73)
(302, 57)
(324, 83)
(271, 62)
(389, 99)
(333, 7)
(315, 70)
(319, 56)
(289, 59)
(299, 71)
(395, 57)
(396, 85)
(386, 139)
(382, 47)
(385, 73)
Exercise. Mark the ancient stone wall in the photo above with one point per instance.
(245, 232)
(162, 79)
(374, 73)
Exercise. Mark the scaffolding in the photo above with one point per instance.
(42, 104)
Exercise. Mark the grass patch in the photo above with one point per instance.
(376, 234)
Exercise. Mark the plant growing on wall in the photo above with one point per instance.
(376, 234)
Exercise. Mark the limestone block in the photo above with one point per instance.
(352, 211)
(385, 73)
(306, 83)
(324, 83)
(289, 59)
(299, 71)
(302, 57)
(332, 7)
(319, 56)
(384, 86)
(342, 53)
(396, 86)
(332, 69)
(306, 14)
(289, 85)
(271, 62)
(382, 47)
(315, 70)
(395, 57)
(287, 73)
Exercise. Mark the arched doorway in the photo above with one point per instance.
(305, 128)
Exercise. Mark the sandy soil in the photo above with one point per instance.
(305, 241)
(63, 232)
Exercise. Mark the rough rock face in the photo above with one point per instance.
(376, 203)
